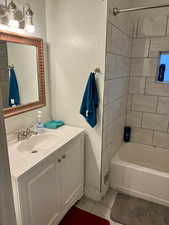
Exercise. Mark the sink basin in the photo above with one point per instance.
(38, 143)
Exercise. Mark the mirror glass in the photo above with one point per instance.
(18, 74)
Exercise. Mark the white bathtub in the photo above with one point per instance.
(142, 171)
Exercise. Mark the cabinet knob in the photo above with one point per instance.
(59, 160)
(63, 156)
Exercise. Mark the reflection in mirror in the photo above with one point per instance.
(18, 74)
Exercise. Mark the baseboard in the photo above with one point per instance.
(93, 194)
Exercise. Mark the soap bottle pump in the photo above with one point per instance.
(39, 123)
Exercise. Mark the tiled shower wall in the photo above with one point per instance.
(148, 101)
(116, 83)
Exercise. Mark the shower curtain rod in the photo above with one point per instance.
(116, 11)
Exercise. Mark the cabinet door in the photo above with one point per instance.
(40, 195)
(72, 171)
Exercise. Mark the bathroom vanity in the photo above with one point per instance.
(47, 175)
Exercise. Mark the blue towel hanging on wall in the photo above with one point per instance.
(90, 101)
(13, 89)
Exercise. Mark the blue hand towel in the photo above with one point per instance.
(54, 124)
(13, 88)
(90, 101)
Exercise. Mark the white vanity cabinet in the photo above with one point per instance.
(44, 193)
(72, 167)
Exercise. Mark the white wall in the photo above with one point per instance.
(28, 118)
(24, 59)
(76, 33)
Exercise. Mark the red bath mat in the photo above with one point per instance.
(78, 216)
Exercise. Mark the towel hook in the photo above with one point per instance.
(97, 70)
(11, 66)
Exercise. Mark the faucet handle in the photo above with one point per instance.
(33, 130)
(18, 131)
(19, 134)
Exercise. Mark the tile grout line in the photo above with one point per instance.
(150, 42)
(166, 29)
(157, 104)
(142, 119)
(145, 85)
(153, 137)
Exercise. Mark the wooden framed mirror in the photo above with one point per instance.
(22, 74)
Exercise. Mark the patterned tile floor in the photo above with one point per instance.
(102, 208)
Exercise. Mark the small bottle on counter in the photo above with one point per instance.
(39, 126)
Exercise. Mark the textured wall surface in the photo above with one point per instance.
(116, 83)
(148, 102)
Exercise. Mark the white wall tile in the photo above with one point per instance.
(129, 102)
(116, 84)
(114, 110)
(144, 103)
(137, 85)
(133, 27)
(155, 88)
(107, 89)
(143, 67)
(123, 21)
(117, 66)
(110, 62)
(106, 136)
(146, 96)
(155, 121)
(142, 136)
(168, 27)
(108, 76)
(140, 47)
(112, 134)
(117, 134)
(152, 26)
(161, 140)
(107, 114)
(157, 45)
(109, 37)
(118, 88)
(134, 119)
(120, 42)
(106, 160)
(163, 105)
(118, 109)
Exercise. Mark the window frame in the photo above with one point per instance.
(158, 65)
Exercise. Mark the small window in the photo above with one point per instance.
(163, 69)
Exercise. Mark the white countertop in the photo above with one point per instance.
(22, 161)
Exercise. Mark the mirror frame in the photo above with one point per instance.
(38, 43)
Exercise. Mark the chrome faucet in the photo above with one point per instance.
(25, 134)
